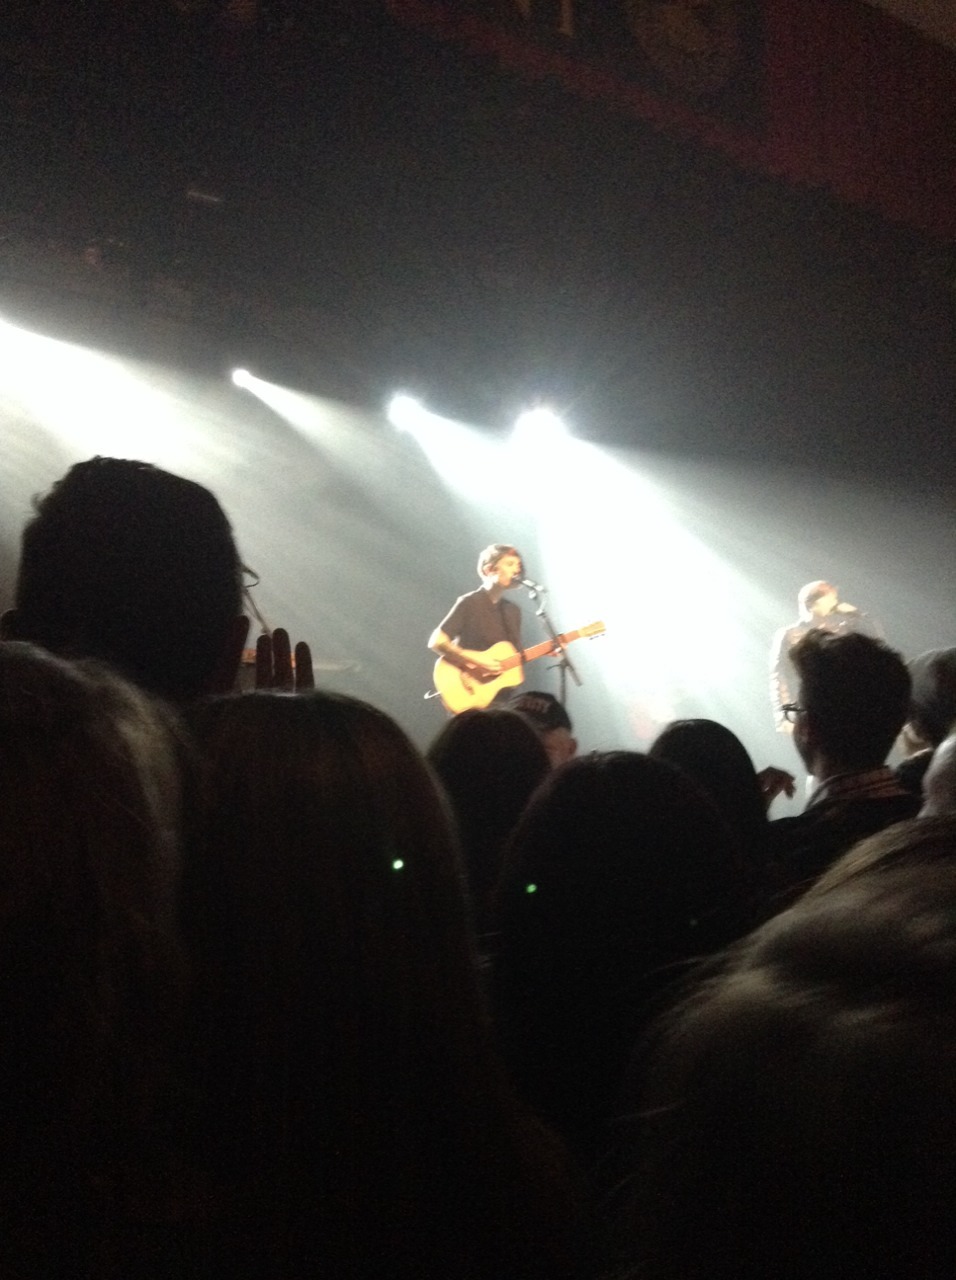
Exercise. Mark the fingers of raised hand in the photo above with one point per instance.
(283, 675)
(274, 661)
(264, 661)
(275, 668)
(304, 676)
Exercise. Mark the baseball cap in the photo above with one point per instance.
(542, 709)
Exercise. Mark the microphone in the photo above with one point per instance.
(843, 607)
(532, 586)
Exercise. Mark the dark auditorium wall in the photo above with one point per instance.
(735, 271)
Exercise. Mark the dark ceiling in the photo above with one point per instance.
(354, 205)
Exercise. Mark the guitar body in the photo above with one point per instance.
(459, 690)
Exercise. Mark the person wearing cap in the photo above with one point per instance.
(551, 721)
(820, 608)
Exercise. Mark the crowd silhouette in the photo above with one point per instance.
(283, 997)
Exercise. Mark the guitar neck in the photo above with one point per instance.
(539, 650)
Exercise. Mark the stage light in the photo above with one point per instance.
(540, 425)
(242, 378)
(405, 412)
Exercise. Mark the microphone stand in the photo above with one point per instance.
(565, 665)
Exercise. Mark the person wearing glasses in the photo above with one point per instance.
(820, 609)
(853, 696)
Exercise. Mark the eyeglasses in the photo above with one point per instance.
(790, 712)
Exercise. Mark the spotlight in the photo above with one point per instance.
(540, 425)
(405, 412)
(242, 378)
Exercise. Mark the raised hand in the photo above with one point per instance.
(773, 781)
(275, 666)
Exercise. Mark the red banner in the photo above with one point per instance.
(833, 94)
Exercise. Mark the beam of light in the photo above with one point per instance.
(405, 412)
(335, 429)
(95, 403)
(304, 412)
(467, 460)
(614, 548)
(539, 427)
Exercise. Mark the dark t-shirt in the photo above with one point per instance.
(476, 622)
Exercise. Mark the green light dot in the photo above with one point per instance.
(531, 888)
(397, 864)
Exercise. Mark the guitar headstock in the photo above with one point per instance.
(595, 629)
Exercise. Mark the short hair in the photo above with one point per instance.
(135, 566)
(811, 592)
(857, 691)
(489, 557)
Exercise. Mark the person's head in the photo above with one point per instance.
(501, 564)
(619, 870)
(799, 1112)
(135, 566)
(343, 1045)
(89, 963)
(549, 718)
(817, 599)
(939, 781)
(718, 761)
(327, 896)
(326, 833)
(623, 851)
(489, 762)
(853, 698)
(932, 709)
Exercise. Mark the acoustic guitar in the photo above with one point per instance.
(459, 690)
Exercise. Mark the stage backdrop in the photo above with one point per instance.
(832, 93)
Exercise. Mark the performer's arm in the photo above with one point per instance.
(441, 643)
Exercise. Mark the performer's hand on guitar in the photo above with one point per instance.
(482, 668)
(466, 678)
(275, 668)
(479, 665)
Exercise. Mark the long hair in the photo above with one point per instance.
(489, 762)
(351, 1095)
(798, 1116)
(718, 761)
(618, 872)
(90, 970)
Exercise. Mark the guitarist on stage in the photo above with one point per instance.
(482, 618)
